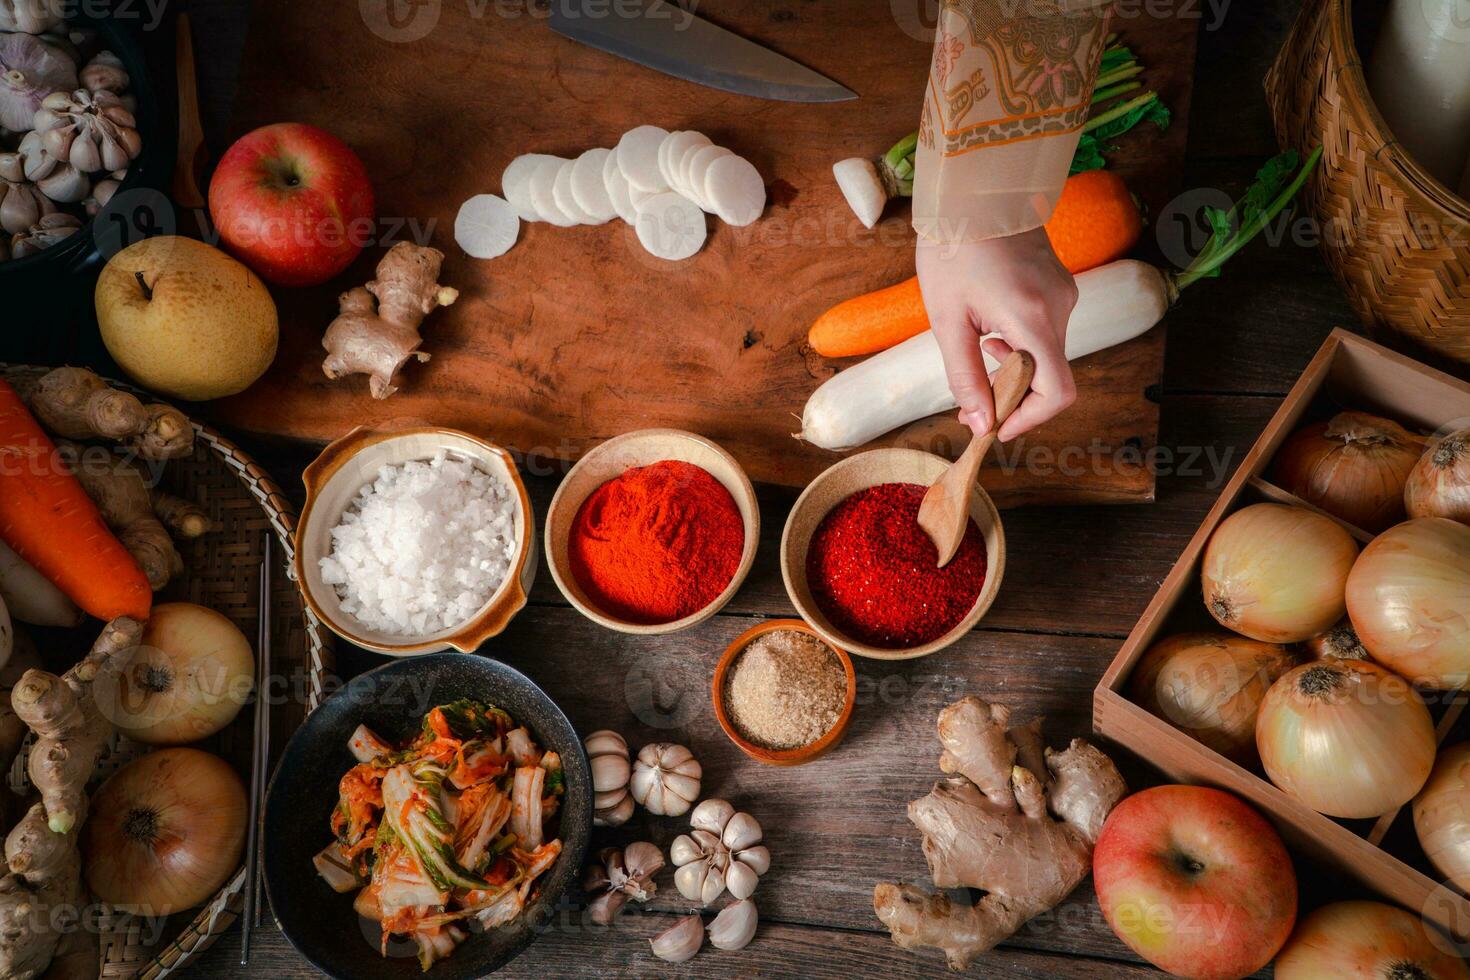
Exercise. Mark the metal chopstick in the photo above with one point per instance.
(259, 755)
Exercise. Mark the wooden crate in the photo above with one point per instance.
(1348, 372)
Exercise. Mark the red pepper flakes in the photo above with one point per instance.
(874, 572)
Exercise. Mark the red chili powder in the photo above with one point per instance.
(874, 572)
(657, 543)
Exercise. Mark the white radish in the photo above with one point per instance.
(670, 226)
(588, 188)
(638, 157)
(734, 190)
(698, 168)
(486, 226)
(515, 184)
(561, 192)
(671, 154)
(863, 188)
(543, 192)
(30, 596)
(683, 156)
(639, 198)
(618, 189)
(903, 384)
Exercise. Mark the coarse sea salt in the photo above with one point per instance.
(423, 546)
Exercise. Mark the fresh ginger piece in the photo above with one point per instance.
(184, 518)
(71, 732)
(122, 496)
(74, 403)
(1025, 838)
(376, 331)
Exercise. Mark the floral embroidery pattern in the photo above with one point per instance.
(947, 51)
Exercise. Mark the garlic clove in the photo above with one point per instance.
(605, 741)
(605, 907)
(684, 787)
(680, 941)
(684, 850)
(689, 879)
(741, 831)
(713, 886)
(643, 859)
(734, 927)
(711, 815)
(606, 800)
(671, 804)
(615, 816)
(741, 879)
(757, 858)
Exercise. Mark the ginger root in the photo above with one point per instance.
(376, 331)
(41, 892)
(1019, 822)
(121, 494)
(74, 403)
(184, 518)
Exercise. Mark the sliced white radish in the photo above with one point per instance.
(543, 193)
(515, 184)
(588, 189)
(671, 154)
(670, 226)
(638, 157)
(486, 226)
(640, 197)
(562, 192)
(618, 189)
(697, 169)
(734, 190)
(859, 182)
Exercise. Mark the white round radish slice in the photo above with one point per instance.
(670, 226)
(618, 189)
(486, 226)
(696, 169)
(515, 184)
(543, 194)
(588, 189)
(562, 191)
(672, 153)
(638, 157)
(638, 197)
(734, 189)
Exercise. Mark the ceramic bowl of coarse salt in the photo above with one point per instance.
(415, 540)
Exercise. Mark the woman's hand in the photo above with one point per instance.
(1012, 294)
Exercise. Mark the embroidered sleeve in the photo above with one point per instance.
(1009, 89)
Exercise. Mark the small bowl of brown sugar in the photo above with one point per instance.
(783, 694)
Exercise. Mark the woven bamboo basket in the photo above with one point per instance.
(1396, 238)
(221, 572)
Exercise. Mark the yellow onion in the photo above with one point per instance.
(1353, 466)
(1338, 643)
(1409, 599)
(1210, 686)
(164, 832)
(1442, 815)
(1346, 737)
(1439, 484)
(1367, 940)
(1276, 573)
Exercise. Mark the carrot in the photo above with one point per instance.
(1096, 221)
(49, 520)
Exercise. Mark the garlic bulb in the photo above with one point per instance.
(680, 941)
(90, 130)
(31, 68)
(31, 16)
(21, 203)
(721, 852)
(666, 779)
(607, 753)
(734, 927)
(105, 73)
(51, 230)
(621, 874)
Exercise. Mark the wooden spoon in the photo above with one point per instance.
(945, 511)
(191, 134)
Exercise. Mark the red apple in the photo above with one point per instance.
(292, 202)
(1195, 881)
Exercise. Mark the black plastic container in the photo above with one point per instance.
(46, 310)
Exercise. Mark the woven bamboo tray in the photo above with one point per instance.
(1396, 238)
(221, 571)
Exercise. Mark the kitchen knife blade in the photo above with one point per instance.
(667, 38)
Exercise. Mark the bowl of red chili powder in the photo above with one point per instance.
(652, 531)
(865, 576)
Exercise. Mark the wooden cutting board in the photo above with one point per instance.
(577, 334)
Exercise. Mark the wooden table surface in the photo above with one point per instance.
(1076, 580)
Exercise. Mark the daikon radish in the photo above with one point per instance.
(542, 190)
(671, 154)
(486, 226)
(903, 384)
(515, 184)
(1115, 303)
(618, 189)
(1419, 75)
(638, 157)
(670, 226)
(561, 192)
(588, 188)
(698, 170)
(735, 190)
(30, 596)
